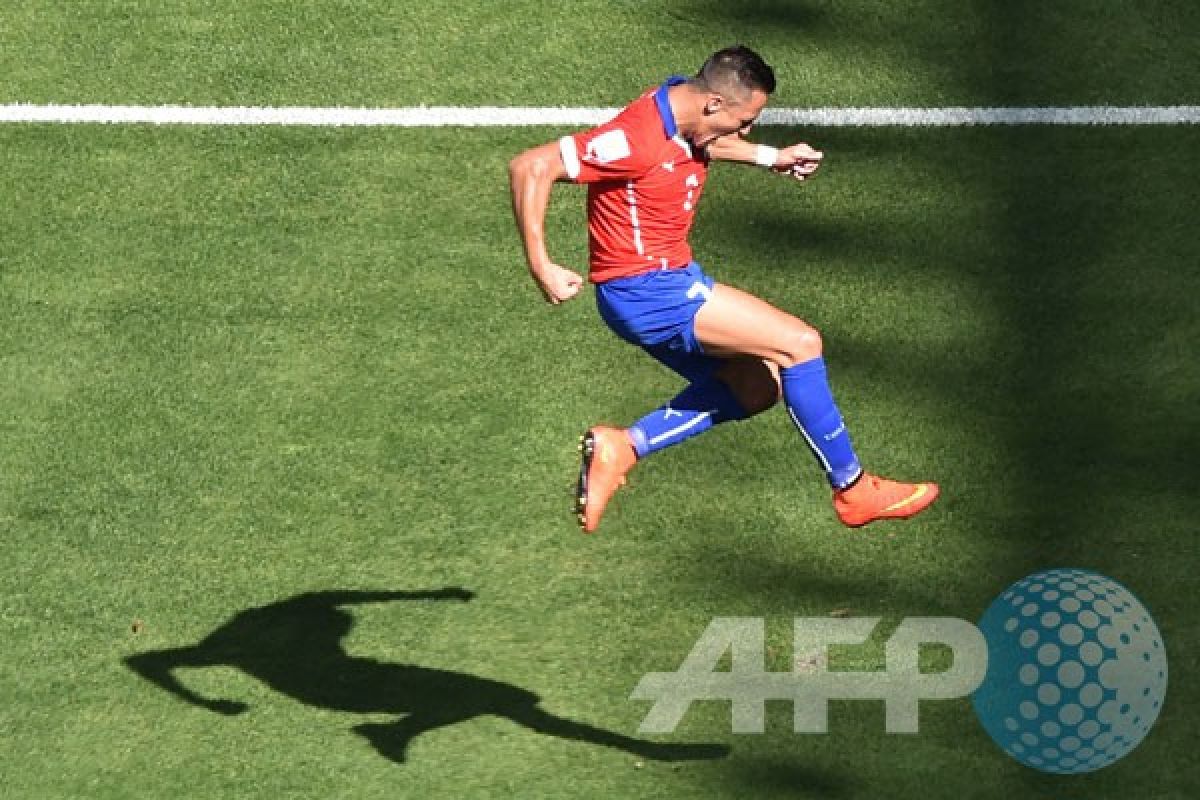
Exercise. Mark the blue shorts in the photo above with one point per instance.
(657, 311)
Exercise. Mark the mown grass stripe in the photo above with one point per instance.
(517, 116)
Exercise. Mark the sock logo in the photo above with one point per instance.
(841, 428)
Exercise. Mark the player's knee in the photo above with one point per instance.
(754, 383)
(802, 343)
(759, 396)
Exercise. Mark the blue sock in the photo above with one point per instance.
(810, 403)
(697, 408)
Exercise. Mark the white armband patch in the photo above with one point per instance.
(570, 156)
(608, 147)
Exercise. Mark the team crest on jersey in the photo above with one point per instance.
(608, 147)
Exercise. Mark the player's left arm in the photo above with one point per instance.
(532, 175)
(159, 667)
(798, 160)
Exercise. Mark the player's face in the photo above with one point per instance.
(724, 114)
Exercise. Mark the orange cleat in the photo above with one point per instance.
(871, 498)
(607, 454)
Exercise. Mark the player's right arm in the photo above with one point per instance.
(531, 176)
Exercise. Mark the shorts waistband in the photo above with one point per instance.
(664, 268)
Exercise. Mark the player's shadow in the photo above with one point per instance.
(295, 647)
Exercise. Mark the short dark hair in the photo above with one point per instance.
(737, 69)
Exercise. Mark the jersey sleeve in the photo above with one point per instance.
(613, 151)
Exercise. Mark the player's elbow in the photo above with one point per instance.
(540, 164)
(516, 167)
(526, 166)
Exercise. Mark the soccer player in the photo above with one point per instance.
(645, 171)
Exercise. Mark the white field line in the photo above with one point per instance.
(510, 116)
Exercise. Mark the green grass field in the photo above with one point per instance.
(254, 368)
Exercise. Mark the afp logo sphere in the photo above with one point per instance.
(1077, 671)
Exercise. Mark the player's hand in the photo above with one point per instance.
(798, 161)
(558, 284)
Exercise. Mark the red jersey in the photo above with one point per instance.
(644, 181)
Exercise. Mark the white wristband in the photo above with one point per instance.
(766, 155)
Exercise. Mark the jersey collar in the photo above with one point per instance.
(664, 105)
